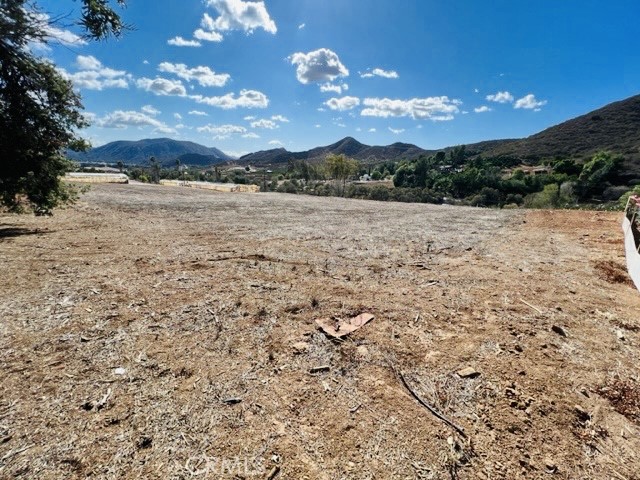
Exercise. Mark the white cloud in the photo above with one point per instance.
(330, 87)
(248, 118)
(177, 116)
(372, 130)
(151, 110)
(342, 104)
(301, 26)
(198, 113)
(433, 108)
(482, 109)
(270, 124)
(276, 142)
(87, 62)
(500, 97)
(280, 118)
(94, 76)
(221, 132)
(378, 72)
(341, 125)
(200, 34)
(396, 131)
(43, 23)
(317, 125)
(201, 74)
(124, 119)
(181, 42)
(162, 86)
(475, 90)
(319, 66)
(529, 102)
(234, 15)
(251, 135)
(246, 99)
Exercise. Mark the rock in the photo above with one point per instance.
(550, 465)
(120, 371)
(468, 372)
(620, 335)
(559, 330)
(300, 347)
(362, 351)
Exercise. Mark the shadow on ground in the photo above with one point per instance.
(10, 232)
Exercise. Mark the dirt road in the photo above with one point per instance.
(155, 332)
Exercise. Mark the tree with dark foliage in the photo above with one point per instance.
(40, 113)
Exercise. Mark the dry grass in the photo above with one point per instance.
(156, 332)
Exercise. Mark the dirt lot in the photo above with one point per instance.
(155, 332)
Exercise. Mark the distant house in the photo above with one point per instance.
(530, 170)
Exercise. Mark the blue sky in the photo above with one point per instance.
(247, 76)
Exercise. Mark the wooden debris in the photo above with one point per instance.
(321, 368)
(531, 306)
(559, 330)
(273, 472)
(103, 401)
(437, 414)
(231, 400)
(338, 328)
(468, 372)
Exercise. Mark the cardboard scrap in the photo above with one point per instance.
(338, 328)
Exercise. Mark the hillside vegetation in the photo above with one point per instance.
(614, 128)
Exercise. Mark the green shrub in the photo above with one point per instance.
(379, 193)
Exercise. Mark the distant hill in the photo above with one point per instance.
(614, 127)
(348, 146)
(352, 148)
(165, 150)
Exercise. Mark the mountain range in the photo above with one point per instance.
(164, 150)
(614, 127)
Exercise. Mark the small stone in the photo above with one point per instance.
(620, 335)
(362, 351)
(559, 330)
(300, 347)
(550, 465)
(468, 372)
(120, 371)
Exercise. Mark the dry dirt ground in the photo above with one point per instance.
(156, 332)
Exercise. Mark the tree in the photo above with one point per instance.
(40, 113)
(597, 172)
(341, 168)
(155, 170)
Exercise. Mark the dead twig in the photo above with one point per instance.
(437, 414)
(531, 306)
(15, 452)
(273, 473)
